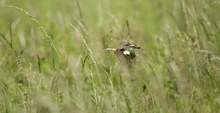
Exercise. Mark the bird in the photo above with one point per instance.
(126, 54)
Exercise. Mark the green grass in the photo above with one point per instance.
(52, 57)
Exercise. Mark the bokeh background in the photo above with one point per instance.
(52, 57)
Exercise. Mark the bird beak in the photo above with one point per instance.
(110, 49)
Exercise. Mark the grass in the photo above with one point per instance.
(53, 58)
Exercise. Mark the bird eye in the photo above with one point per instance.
(122, 49)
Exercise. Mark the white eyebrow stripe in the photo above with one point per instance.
(126, 52)
(132, 45)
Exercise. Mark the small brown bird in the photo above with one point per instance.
(126, 54)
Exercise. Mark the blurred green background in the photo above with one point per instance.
(52, 56)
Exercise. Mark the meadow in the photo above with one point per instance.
(53, 57)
